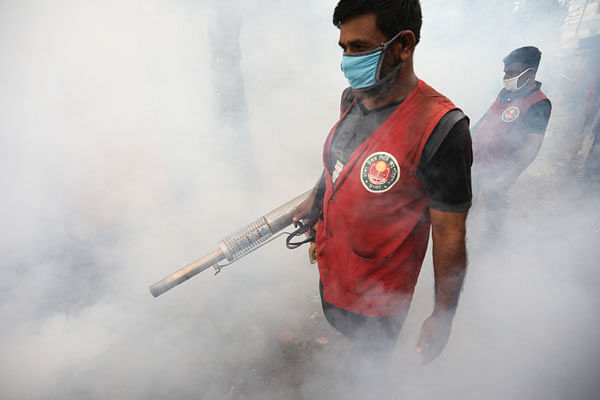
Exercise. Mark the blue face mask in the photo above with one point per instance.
(363, 70)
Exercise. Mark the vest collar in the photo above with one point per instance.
(374, 136)
(506, 97)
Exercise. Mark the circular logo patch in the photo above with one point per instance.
(510, 114)
(379, 172)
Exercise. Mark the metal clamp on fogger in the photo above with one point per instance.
(253, 236)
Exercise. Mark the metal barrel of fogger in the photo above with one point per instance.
(236, 245)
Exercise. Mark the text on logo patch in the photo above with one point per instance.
(379, 172)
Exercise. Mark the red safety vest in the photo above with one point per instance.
(501, 134)
(373, 237)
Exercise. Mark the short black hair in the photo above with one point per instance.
(529, 56)
(393, 16)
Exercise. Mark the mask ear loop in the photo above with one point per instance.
(520, 75)
(385, 45)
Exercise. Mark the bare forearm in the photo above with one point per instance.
(524, 157)
(450, 263)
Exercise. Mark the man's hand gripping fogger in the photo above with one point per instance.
(308, 214)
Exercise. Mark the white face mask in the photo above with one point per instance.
(512, 84)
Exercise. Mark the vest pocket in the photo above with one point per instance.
(365, 276)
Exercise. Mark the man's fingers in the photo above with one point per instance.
(422, 342)
(427, 352)
(427, 358)
(432, 351)
(430, 348)
(297, 217)
(426, 349)
(433, 338)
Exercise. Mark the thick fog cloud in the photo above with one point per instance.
(117, 169)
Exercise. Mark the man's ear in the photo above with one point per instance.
(530, 75)
(405, 45)
(533, 72)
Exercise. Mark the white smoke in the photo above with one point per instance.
(115, 175)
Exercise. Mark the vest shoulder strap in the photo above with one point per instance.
(537, 97)
(347, 99)
(440, 132)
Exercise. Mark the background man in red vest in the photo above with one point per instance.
(509, 136)
(397, 162)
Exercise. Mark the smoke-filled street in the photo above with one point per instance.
(135, 136)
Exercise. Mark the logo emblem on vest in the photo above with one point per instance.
(511, 114)
(379, 172)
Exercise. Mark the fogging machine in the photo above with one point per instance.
(239, 244)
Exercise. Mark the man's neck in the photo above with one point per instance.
(405, 82)
(530, 87)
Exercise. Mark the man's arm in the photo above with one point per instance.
(528, 153)
(449, 265)
(448, 230)
(447, 176)
(311, 207)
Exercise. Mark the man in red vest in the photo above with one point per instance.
(509, 136)
(397, 162)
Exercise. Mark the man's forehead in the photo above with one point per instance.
(515, 67)
(361, 27)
